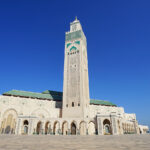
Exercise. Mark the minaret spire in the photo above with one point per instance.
(76, 18)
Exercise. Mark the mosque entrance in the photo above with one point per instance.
(8, 124)
(73, 129)
(107, 127)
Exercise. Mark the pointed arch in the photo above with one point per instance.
(41, 113)
(25, 126)
(73, 128)
(65, 128)
(47, 127)
(82, 128)
(91, 128)
(8, 125)
(56, 128)
(107, 127)
(39, 127)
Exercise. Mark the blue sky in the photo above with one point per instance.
(32, 36)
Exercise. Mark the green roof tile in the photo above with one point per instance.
(51, 95)
(48, 96)
(101, 102)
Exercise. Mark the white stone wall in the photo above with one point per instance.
(29, 107)
(44, 111)
(129, 117)
(105, 110)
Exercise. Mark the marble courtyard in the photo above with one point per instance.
(43, 142)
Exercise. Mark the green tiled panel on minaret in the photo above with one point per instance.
(73, 35)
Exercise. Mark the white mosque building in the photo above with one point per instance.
(70, 112)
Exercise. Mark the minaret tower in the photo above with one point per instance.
(76, 83)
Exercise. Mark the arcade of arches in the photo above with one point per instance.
(83, 128)
(9, 122)
(128, 128)
(57, 129)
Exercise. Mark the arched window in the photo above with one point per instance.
(72, 104)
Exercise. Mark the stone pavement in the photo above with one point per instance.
(49, 142)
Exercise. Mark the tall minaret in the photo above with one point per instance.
(76, 83)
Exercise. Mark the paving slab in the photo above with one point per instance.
(59, 142)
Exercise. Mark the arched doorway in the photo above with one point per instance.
(38, 128)
(65, 128)
(82, 128)
(91, 128)
(25, 126)
(107, 127)
(8, 125)
(56, 128)
(140, 131)
(73, 128)
(7, 129)
(47, 127)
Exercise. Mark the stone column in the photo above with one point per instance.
(30, 132)
(87, 131)
(5, 125)
(42, 129)
(114, 124)
(69, 132)
(48, 128)
(136, 128)
(121, 127)
(18, 126)
(99, 125)
(52, 126)
(78, 132)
